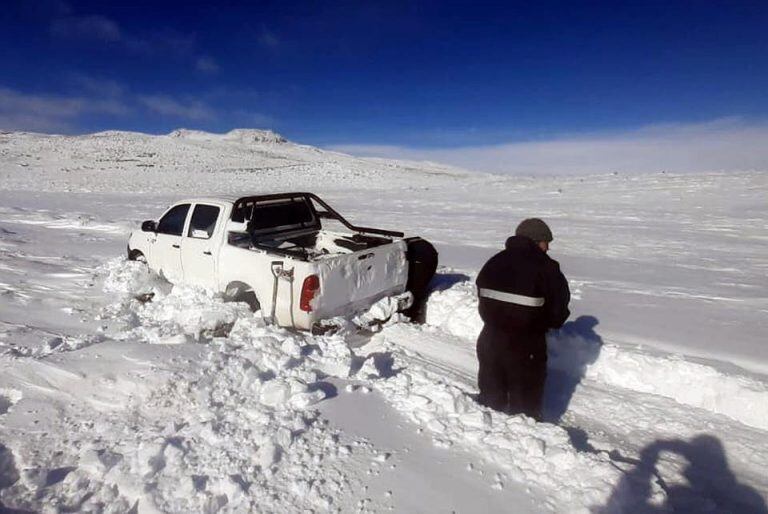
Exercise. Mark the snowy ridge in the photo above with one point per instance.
(129, 161)
(236, 135)
(741, 398)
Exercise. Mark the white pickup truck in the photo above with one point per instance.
(272, 252)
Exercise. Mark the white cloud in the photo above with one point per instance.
(100, 87)
(93, 95)
(206, 64)
(87, 27)
(168, 106)
(101, 28)
(723, 144)
(21, 111)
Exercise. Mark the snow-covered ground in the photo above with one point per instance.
(657, 397)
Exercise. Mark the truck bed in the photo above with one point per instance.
(310, 246)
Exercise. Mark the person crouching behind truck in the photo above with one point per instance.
(522, 293)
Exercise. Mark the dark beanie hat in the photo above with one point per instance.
(534, 228)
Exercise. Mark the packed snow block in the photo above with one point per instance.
(455, 310)
(368, 370)
(477, 419)
(131, 278)
(274, 393)
(289, 393)
(378, 313)
(305, 398)
(332, 356)
(269, 454)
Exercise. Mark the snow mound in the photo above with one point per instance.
(154, 311)
(741, 398)
(454, 310)
(236, 430)
(132, 278)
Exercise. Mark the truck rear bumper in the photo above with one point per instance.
(376, 313)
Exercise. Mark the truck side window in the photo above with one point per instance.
(173, 221)
(203, 221)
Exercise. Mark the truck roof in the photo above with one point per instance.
(231, 199)
(208, 199)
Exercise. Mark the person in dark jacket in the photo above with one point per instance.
(522, 294)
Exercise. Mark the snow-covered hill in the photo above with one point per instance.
(657, 398)
(130, 161)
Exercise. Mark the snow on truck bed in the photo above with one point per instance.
(657, 399)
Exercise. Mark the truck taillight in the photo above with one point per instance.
(308, 290)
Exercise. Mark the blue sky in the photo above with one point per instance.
(421, 75)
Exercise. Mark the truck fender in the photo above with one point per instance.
(136, 255)
(242, 292)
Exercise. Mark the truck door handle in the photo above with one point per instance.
(207, 252)
(176, 246)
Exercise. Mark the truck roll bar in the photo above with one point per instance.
(238, 211)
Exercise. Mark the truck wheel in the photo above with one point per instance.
(242, 293)
(135, 255)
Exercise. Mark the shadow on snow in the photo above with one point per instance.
(571, 350)
(709, 485)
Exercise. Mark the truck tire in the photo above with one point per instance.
(135, 255)
(239, 292)
(422, 264)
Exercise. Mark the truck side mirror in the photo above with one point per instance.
(149, 226)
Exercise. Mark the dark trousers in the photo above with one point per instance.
(513, 369)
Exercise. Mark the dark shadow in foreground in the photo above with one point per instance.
(571, 349)
(711, 485)
(9, 475)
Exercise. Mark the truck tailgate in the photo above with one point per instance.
(356, 279)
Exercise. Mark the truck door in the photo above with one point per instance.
(166, 251)
(198, 252)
